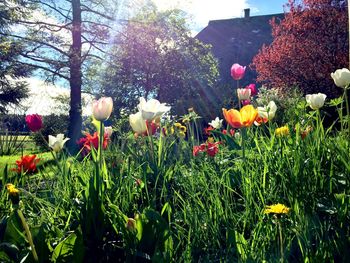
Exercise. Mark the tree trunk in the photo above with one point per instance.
(75, 80)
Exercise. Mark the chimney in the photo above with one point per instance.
(246, 13)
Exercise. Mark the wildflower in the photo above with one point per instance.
(237, 71)
(152, 109)
(137, 123)
(282, 131)
(240, 119)
(102, 108)
(315, 101)
(182, 128)
(232, 132)
(12, 190)
(27, 164)
(276, 209)
(210, 140)
(306, 132)
(243, 94)
(199, 148)
(212, 148)
(13, 193)
(34, 122)
(216, 124)
(57, 143)
(341, 77)
(253, 90)
(207, 130)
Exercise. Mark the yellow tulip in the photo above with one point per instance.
(240, 119)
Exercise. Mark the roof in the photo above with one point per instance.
(237, 40)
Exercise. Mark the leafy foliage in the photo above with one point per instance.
(12, 90)
(155, 56)
(308, 44)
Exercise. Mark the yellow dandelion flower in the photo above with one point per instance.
(12, 190)
(276, 209)
(282, 131)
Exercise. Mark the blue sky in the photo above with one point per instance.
(202, 11)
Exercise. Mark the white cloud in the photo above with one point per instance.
(42, 100)
(205, 10)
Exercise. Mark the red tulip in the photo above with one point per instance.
(27, 164)
(34, 122)
(92, 140)
(237, 71)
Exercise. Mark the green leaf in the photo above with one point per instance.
(63, 252)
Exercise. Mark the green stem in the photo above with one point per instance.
(243, 131)
(347, 109)
(28, 234)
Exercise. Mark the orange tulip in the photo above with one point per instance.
(240, 119)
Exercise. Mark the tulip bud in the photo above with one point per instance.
(243, 94)
(341, 77)
(315, 101)
(237, 71)
(34, 122)
(102, 108)
(131, 224)
(109, 131)
(253, 90)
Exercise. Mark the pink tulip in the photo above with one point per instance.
(237, 71)
(34, 122)
(253, 89)
(102, 108)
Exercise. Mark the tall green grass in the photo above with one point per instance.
(148, 199)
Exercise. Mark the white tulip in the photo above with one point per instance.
(137, 123)
(268, 112)
(102, 108)
(341, 77)
(57, 143)
(244, 94)
(216, 124)
(315, 101)
(152, 109)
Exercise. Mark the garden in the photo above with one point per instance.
(250, 191)
(171, 163)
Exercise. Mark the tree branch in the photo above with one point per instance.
(36, 41)
(43, 68)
